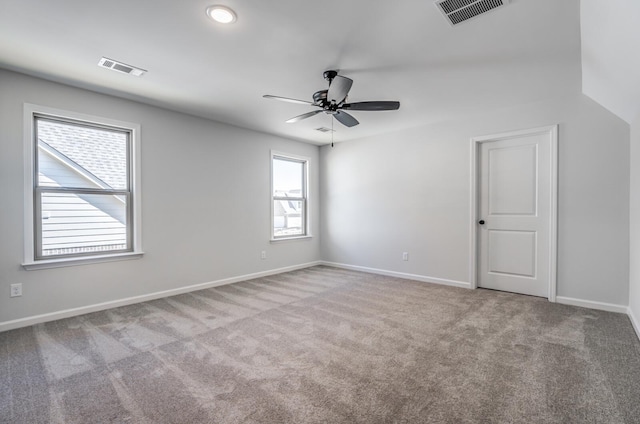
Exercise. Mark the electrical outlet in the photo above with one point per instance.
(16, 290)
(263, 254)
(405, 256)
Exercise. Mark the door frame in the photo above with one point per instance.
(552, 132)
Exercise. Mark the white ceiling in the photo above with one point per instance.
(401, 50)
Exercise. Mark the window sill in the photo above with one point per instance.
(59, 263)
(278, 240)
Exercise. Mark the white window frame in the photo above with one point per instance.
(31, 262)
(304, 198)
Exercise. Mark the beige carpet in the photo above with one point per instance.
(324, 345)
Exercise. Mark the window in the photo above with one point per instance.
(289, 196)
(81, 193)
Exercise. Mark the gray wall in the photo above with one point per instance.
(205, 204)
(410, 192)
(205, 198)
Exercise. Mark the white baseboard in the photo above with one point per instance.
(404, 275)
(634, 321)
(67, 313)
(52, 316)
(610, 307)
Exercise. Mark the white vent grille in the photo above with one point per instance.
(325, 129)
(458, 11)
(120, 67)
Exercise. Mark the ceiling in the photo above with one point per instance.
(403, 50)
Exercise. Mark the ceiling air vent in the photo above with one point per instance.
(458, 11)
(324, 129)
(114, 65)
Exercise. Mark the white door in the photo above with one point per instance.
(515, 210)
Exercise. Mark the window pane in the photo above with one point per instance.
(287, 178)
(83, 223)
(77, 156)
(288, 218)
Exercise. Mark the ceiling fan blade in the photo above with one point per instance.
(345, 119)
(286, 99)
(303, 116)
(339, 89)
(371, 106)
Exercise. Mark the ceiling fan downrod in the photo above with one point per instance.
(329, 75)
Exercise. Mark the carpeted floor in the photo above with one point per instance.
(324, 345)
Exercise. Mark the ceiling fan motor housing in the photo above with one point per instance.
(320, 100)
(320, 97)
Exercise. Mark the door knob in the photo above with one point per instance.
(481, 222)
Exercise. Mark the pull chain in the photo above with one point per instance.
(332, 131)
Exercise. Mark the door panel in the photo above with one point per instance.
(512, 253)
(514, 196)
(512, 180)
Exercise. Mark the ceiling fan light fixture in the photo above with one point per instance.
(221, 14)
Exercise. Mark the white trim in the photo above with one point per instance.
(65, 262)
(602, 306)
(67, 313)
(29, 154)
(278, 240)
(404, 275)
(553, 204)
(553, 217)
(29, 262)
(473, 214)
(634, 321)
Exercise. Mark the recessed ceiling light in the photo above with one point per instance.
(221, 14)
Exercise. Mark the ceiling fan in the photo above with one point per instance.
(333, 101)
